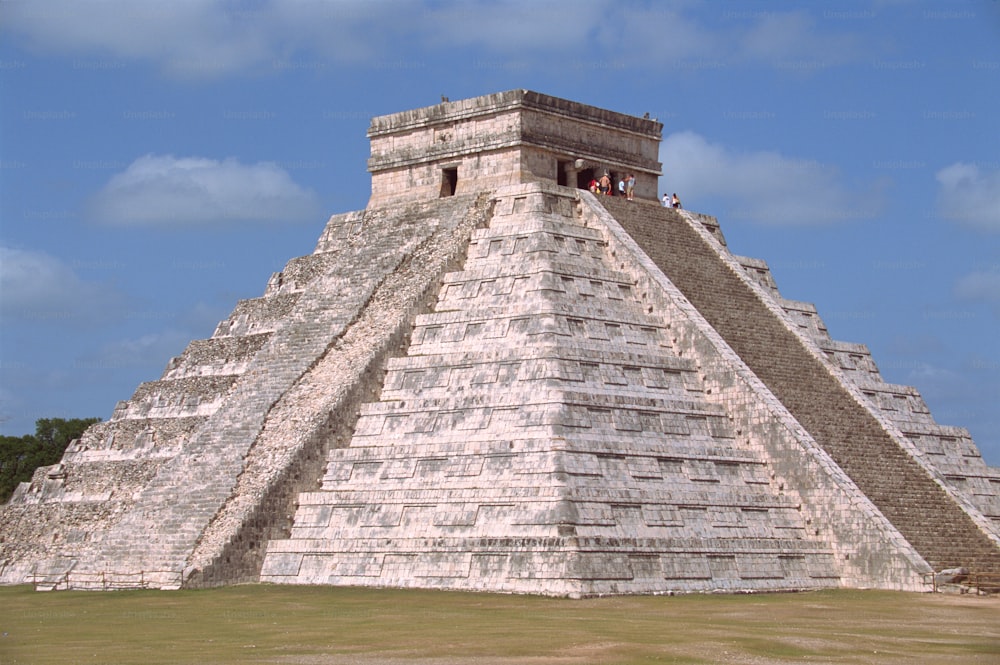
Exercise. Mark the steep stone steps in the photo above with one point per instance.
(933, 522)
(549, 447)
(949, 450)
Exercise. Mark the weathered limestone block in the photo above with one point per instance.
(215, 356)
(257, 315)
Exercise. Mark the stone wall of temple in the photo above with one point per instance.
(507, 138)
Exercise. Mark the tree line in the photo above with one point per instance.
(21, 455)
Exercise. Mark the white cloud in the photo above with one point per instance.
(38, 287)
(163, 190)
(149, 350)
(764, 186)
(550, 28)
(660, 38)
(207, 38)
(979, 286)
(587, 35)
(970, 196)
(943, 387)
(655, 34)
(791, 41)
(186, 37)
(931, 375)
(204, 38)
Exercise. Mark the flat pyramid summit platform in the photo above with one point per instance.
(492, 379)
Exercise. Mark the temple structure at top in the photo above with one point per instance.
(508, 138)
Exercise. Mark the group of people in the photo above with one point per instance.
(603, 186)
(626, 188)
(671, 201)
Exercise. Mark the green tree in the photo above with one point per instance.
(21, 455)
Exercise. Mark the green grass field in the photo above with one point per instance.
(343, 626)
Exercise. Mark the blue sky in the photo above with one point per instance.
(159, 161)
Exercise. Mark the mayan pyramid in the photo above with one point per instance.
(492, 379)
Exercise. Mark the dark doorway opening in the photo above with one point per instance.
(449, 181)
(561, 173)
(583, 178)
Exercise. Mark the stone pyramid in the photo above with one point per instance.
(491, 379)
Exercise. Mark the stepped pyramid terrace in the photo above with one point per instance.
(491, 379)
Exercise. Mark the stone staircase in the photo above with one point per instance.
(319, 411)
(949, 450)
(847, 428)
(542, 435)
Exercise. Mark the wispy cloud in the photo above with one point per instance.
(550, 28)
(970, 195)
(163, 190)
(765, 187)
(979, 287)
(791, 40)
(204, 39)
(198, 39)
(189, 37)
(151, 350)
(40, 288)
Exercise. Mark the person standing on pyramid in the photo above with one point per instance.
(605, 184)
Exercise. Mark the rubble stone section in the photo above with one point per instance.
(947, 533)
(542, 436)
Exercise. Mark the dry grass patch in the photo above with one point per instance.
(345, 626)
